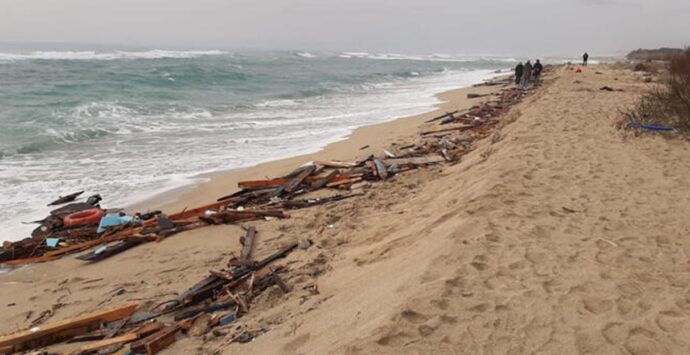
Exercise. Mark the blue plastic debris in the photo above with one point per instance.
(227, 319)
(111, 220)
(650, 127)
(52, 242)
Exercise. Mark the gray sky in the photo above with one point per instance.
(546, 27)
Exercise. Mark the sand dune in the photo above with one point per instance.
(558, 235)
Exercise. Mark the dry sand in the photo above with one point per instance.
(558, 235)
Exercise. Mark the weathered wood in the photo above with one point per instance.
(442, 116)
(241, 216)
(272, 183)
(461, 128)
(323, 180)
(336, 164)
(54, 333)
(248, 245)
(417, 160)
(346, 181)
(64, 199)
(126, 338)
(381, 169)
(157, 341)
(109, 251)
(291, 186)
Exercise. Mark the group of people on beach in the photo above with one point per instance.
(528, 74)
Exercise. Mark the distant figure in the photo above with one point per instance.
(518, 73)
(526, 74)
(536, 72)
(585, 57)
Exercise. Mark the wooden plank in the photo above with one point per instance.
(336, 164)
(248, 245)
(417, 160)
(160, 340)
(380, 169)
(45, 335)
(291, 186)
(323, 180)
(126, 338)
(461, 128)
(344, 181)
(442, 116)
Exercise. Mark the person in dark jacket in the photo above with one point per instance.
(526, 74)
(585, 57)
(518, 73)
(536, 72)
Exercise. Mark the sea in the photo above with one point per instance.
(130, 124)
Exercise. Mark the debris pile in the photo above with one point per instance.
(225, 295)
(213, 303)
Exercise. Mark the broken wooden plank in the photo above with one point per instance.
(381, 169)
(54, 333)
(67, 198)
(100, 253)
(291, 186)
(248, 245)
(126, 338)
(416, 160)
(442, 116)
(346, 181)
(242, 216)
(157, 341)
(324, 180)
(461, 128)
(336, 164)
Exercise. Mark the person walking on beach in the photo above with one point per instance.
(526, 74)
(518, 73)
(585, 57)
(536, 72)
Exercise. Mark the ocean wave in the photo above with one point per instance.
(305, 55)
(437, 57)
(93, 55)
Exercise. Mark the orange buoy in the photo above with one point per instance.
(92, 216)
(578, 70)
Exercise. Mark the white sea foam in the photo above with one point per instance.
(305, 55)
(93, 55)
(437, 57)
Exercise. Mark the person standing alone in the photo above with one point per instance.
(518, 73)
(526, 74)
(585, 57)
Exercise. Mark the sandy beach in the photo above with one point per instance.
(557, 234)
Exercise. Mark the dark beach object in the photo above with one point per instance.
(650, 127)
(109, 250)
(475, 96)
(442, 116)
(64, 199)
(64, 211)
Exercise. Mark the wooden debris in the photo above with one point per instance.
(45, 335)
(248, 243)
(64, 199)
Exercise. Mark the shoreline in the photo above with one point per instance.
(360, 142)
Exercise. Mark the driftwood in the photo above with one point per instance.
(64, 199)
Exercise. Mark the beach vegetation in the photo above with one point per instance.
(667, 104)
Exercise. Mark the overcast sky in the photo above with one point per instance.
(546, 27)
